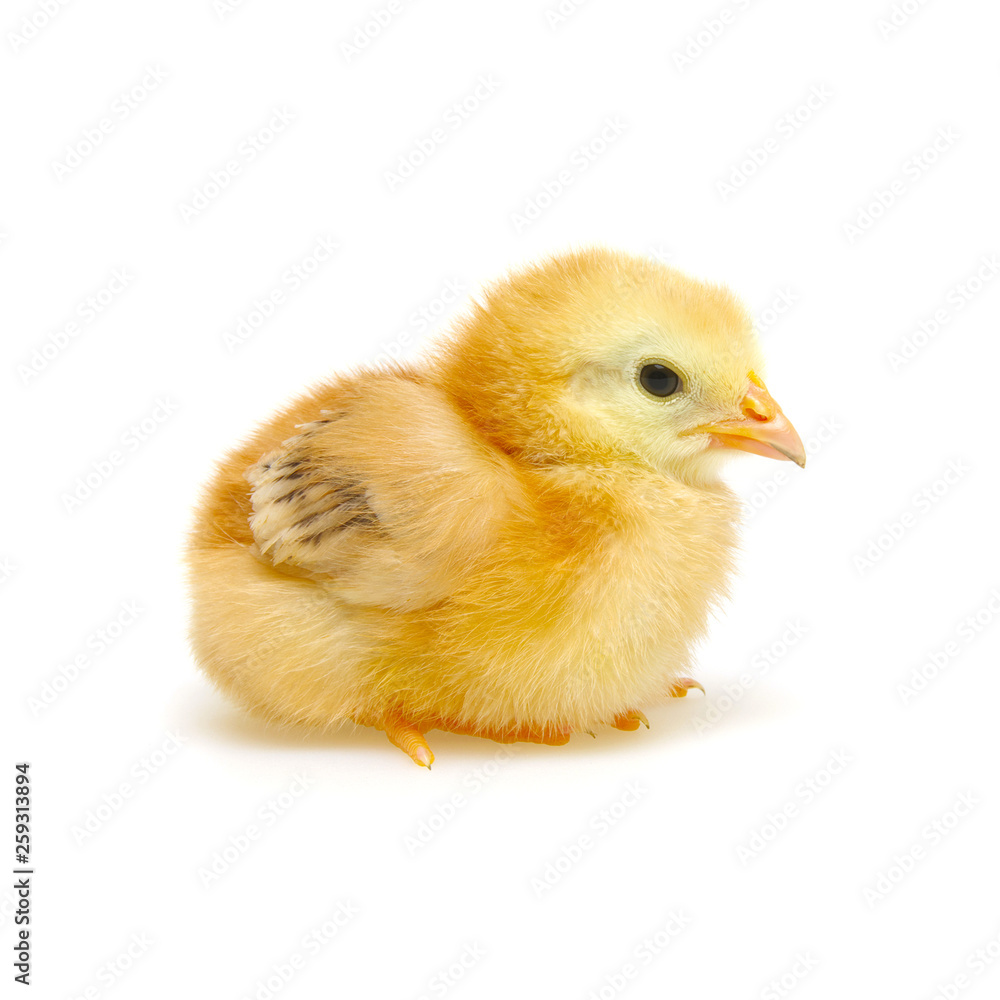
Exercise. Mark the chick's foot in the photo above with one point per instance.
(680, 687)
(630, 721)
(409, 739)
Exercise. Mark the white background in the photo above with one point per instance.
(820, 908)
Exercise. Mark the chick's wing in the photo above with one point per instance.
(389, 497)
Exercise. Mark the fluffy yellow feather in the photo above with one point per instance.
(519, 536)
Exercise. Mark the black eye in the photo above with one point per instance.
(659, 380)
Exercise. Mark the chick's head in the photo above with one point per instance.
(600, 357)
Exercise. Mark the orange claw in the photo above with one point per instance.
(410, 740)
(630, 721)
(680, 687)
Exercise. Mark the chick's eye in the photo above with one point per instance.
(659, 380)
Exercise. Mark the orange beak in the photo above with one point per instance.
(763, 429)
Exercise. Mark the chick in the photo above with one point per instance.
(519, 537)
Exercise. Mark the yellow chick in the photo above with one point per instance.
(518, 537)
